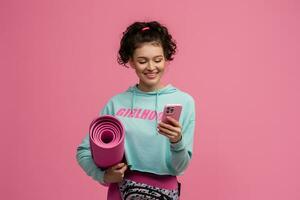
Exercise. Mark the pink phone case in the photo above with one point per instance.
(172, 110)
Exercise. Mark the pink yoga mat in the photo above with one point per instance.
(107, 141)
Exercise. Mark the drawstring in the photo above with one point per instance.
(156, 106)
(133, 101)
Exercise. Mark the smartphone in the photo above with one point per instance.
(172, 110)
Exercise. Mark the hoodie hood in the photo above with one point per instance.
(137, 92)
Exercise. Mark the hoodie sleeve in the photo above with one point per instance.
(84, 155)
(181, 152)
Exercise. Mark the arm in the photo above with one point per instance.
(181, 151)
(84, 155)
(86, 162)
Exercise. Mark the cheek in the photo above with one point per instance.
(140, 68)
(139, 72)
(162, 67)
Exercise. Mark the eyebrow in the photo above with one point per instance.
(153, 57)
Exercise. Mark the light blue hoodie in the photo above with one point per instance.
(145, 148)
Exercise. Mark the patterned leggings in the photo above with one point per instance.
(145, 187)
(131, 190)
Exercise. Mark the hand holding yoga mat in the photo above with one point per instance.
(107, 141)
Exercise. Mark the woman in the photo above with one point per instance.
(155, 152)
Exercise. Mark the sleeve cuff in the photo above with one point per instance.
(101, 179)
(178, 146)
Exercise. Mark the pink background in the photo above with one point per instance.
(239, 59)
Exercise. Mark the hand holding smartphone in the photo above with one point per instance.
(171, 110)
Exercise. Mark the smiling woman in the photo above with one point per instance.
(147, 48)
(155, 152)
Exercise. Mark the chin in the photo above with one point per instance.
(151, 83)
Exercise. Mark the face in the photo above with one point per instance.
(149, 63)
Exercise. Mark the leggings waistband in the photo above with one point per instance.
(162, 181)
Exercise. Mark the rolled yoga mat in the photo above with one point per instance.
(107, 141)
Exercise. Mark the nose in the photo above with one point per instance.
(151, 66)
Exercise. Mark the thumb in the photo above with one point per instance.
(117, 166)
(123, 169)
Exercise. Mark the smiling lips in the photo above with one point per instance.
(151, 75)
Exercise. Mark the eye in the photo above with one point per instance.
(142, 62)
(158, 61)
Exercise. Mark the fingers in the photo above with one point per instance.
(167, 132)
(118, 166)
(169, 129)
(167, 126)
(115, 173)
(171, 137)
(171, 132)
(173, 121)
(123, 169)
(120, 169)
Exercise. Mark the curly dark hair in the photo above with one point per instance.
(135, 34)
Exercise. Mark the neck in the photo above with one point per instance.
(149, 88)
